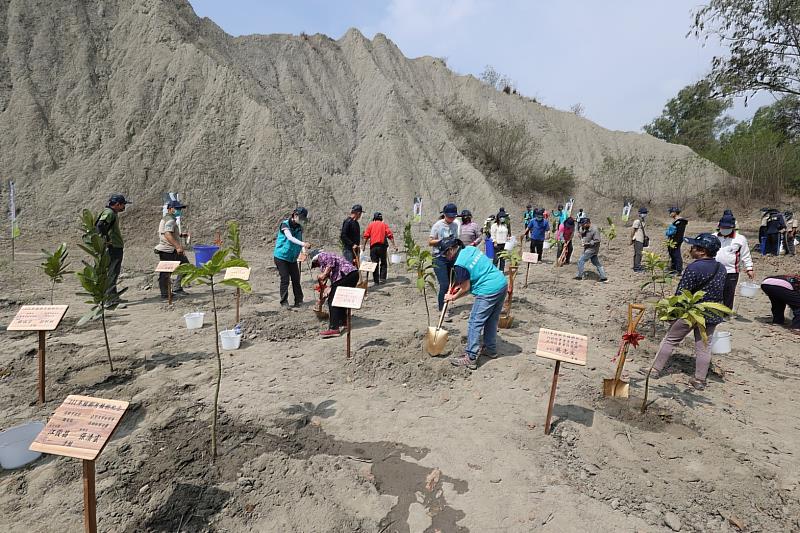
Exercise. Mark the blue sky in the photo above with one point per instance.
(621, 59)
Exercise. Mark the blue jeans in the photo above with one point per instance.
(442, 268)
(591, 256)
(484, 318)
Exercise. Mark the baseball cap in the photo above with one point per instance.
(118, 199)
(675, 210)
(707, 241)
(357, 209)
(302, 212)
(449, 242)
(465, 213)
(450, 210)
(377, 216)
(727, 221)
(175, 204)
(643, 211)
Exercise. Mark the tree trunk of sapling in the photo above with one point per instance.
(105, 336)
(52, 290)
(219, 376)
(427, 310)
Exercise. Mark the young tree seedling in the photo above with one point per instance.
(56, 266)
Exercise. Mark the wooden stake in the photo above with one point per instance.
(526, 276)
(238, 297)
(89, 499)
(41, 366)
(349, 328)
(552, 398)
(169, 288)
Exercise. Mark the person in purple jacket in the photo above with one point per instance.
(704, 274)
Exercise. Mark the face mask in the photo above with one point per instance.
(178, 212)
(725, 231)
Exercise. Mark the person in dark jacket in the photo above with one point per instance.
(351, 233)
(775, 226)
(783, 291)
(675, 233)
(707, 275)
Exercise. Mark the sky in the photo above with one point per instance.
(620, 59)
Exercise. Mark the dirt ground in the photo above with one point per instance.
(392, 439)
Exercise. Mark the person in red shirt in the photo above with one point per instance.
(378, 235)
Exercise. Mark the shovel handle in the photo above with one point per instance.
(451, 290)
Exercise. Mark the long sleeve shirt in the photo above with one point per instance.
(471, 234)
(705, 275)
(499, 233)
(351, 233)
(590, 239)
(733, 251)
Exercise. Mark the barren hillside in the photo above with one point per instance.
(144, 97)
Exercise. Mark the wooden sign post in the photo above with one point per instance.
(560, 346)
(41, 318)
(81, 427)
(367, 268)
(349, 298)
(168, 267)
(237, 273)
(528, 257)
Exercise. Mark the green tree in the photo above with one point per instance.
(762, 41)
(693, 118)
(56, 266)
(204, 275)
(420, 262)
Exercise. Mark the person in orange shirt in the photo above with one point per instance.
(378, 235)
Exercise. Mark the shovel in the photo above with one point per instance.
(321, 313)
(616, 387)
(436, 338)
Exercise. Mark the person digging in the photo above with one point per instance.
(341, 273)
(475, 274)
(707, 275)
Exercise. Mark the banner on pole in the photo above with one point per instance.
(12, 210)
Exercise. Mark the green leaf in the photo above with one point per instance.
(238, 283)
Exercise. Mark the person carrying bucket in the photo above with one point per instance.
(169, 247)
(378, 236)
(288, 245)
(475, 274)
(443, 228)
(733, 250)
(783, 291)
(707, 275)
(342, 273)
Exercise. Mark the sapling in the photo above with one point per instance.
(204, 275)
(420, 262)
(56, 266)
(660, 277)
(513, 258)
(95, 277)
(686, 306)
(235, 248)
(610, 233)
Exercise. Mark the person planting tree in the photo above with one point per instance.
(341, 273)
(288, 245)
(638, 238)
(707, 275)
(475, 274)
(590, 238)
(733, 250)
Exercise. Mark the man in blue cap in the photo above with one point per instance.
(707, 275)
(169, 247)
(107, 225)
(443, 228)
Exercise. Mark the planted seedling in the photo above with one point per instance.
(686, 306)
(55, 266)
(95, 277)
(610, 233)
(204, 275)
(235, 248)
(420, 262)
(513, 258)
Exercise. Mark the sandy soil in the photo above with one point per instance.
(392, 439)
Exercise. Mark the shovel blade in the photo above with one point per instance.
(435, 341)
(622, 388)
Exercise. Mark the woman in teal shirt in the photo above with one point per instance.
(288, 245)
(475, 274)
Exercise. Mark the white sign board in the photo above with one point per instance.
(38, 318)
(348, 297)
(367, 266)
(530, 257)
(167, 266)
(237, 272)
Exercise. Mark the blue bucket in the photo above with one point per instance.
(203, 253)
(489, 248)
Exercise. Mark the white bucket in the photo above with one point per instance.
(230, 339)
(510, 244)
(14, 443)
(396, 259)
(721, 342)
(194, 320)
(546, 245)
(363, 258)
(748, 290)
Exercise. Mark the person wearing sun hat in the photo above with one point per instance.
(169, 247)
(707, 275)
(734, 250)
(443, 228)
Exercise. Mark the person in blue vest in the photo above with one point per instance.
(288, 245)
(475, 274)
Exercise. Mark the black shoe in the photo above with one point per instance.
(164, 296)
(179, 291)
(603, 280)
(285, 304)
(298, 304)
(579, 278)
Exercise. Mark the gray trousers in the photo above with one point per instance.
(637, 254)
(702, 351)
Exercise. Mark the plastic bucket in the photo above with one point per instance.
(230, 339)
(489, 248)
(511, 243)
(396, 259)
(194, 320)
(14, 443)
(546, 245)
(203, 253)
(749, 290)
(721, 342)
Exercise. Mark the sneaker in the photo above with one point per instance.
(328, 333)
(654, 373)
(285, 305)
(699, 384)
(464, 360)
(179, 290)
(579, 278)
(603, 280)
(487, 354)
(298, 304)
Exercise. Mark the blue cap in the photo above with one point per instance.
(175, 204)
(706, 241)
(450, 210)
(727, 221)
(449, 242)
(117, 199)
(302, 212)
(675, 210)
(643, 211)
